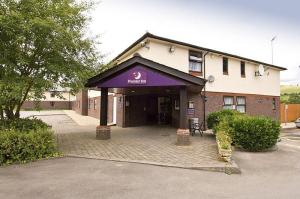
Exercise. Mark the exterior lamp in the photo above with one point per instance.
(172, 49)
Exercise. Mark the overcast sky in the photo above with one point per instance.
(241, 27)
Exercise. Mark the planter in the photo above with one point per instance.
(224, 154)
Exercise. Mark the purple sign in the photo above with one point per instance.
(137, 77)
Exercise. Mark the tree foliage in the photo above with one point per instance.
(43, 45)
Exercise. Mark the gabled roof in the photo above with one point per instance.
(92, 82)
(149, 35)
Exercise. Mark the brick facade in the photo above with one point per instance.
(47, 105)
(255, 104)
(94, 107)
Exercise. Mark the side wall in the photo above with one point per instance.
(47, 105)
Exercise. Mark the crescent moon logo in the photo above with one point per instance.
(137, 75)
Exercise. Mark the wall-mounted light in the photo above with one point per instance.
(145, 44)
(172, 49)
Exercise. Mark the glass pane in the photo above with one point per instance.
(195, 66)
(241, 109)
(228, 100)
(241, 100)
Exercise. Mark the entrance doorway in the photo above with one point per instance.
(164, 110)
(148, 110)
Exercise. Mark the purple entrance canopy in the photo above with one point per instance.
(139, 76)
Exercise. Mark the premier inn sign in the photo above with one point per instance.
(137, 77)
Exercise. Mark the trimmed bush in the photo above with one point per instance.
(254, 133)
(22, 125)
(17, 147)
(215, 118)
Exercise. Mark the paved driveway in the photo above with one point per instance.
(271, 175)
(148, 144)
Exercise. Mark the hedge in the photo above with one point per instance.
(21, 147)
(215, 118)
(22, 124)
(23, 140)
(254, 133)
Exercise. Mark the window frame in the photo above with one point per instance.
(243, 69)
(225, 66)
(244, 105)
(232, 105)
(95, 100)
(200, 61)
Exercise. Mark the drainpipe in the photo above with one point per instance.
(204, 92)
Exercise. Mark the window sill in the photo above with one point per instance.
(195, 73)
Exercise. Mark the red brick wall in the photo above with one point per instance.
(94, 107)
(80, 106)
(255, 104)
(47, 105)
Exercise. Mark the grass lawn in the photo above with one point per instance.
(289, 89)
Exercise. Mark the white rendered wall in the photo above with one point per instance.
(269, 84)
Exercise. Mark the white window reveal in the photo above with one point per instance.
(228, 102)
(241, 104)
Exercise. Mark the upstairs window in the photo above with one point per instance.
(195, 61)
(228, 102)
(243, 72)
(225, 66)
(241, 104)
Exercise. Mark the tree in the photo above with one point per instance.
(294, 98)
(43, 45)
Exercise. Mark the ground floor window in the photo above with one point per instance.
(241, 104)
(274, 104)
(228, 102)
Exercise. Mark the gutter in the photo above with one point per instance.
(204, 91)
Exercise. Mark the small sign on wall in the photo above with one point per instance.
(190, 111)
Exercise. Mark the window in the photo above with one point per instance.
(225, 66)
(89, 105)
(243, 72)
(52, 94)
(241, 104)
(52, 104)
(228, 102)
(95, 104)
(195, 61)
(274, 104)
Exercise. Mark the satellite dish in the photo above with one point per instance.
(211, 79)
(261, 70)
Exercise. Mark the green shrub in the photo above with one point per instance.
(22, 125)
(254, 133)
(215, 118)
(17, 147)
(224, 139)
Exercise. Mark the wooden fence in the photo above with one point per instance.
(289, 112)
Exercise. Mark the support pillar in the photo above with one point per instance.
(103, 131)
(183, 133)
